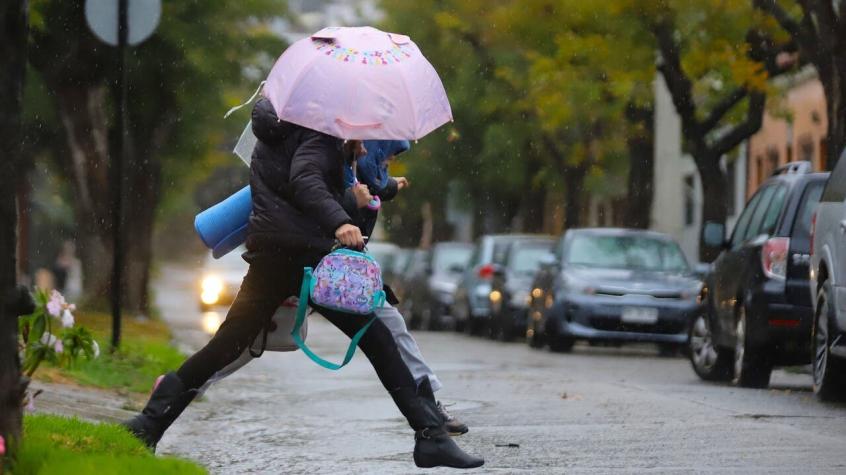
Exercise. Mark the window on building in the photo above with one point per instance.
(689, 200)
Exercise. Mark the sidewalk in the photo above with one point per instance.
(86, 403)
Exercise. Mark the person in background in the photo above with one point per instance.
(369, 176)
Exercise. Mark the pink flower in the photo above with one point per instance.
(59, 346)
(67, 318)
(56, 303)
(2, 446)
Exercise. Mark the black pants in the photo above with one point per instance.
(269, 282)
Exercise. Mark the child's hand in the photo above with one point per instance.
(362, 195)
(402, 182)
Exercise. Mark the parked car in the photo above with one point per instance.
(828, 287)
(402, 284)
(472, 297)
(385, 254)
(431, 290)
(758, 307)
(395, 275)
(613, 285)
(220, 279)
(512, 283)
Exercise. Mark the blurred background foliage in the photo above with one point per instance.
(552, 101)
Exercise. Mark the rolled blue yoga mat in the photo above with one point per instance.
(223, 227)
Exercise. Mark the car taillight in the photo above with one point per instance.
(813, 230)
(486, 271)
(774, 257)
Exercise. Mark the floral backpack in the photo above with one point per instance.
(347, 281)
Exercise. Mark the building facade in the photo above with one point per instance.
(793, 129)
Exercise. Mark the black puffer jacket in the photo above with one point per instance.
(296, 178)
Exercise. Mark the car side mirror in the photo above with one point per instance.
(701, 270)
(548, 261)
(456, 269)
(714, 234)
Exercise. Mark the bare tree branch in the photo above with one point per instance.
(742, 131)
(799, 32)
(677, 81)
(722, 108)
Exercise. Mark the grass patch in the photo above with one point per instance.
(145, 353)
(61, 445)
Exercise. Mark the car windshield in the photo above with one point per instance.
(626, 252)
(448, 257)
(526, 259)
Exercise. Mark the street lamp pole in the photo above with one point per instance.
(117, 175)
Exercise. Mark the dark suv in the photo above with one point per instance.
(758, 306)
(828, 284)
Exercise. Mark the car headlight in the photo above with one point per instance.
(691, 293)
(212, 286)
(212, 283)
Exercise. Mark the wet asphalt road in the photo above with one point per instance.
(597, 410)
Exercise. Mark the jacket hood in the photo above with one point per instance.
(372, 168)
(266, 124)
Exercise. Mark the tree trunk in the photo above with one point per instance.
(641, 148)
(574, 178)
(143, 183)
(13, 39)
(84, 116)
(714, 203)
(834, 85)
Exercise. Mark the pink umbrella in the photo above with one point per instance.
(358, 83)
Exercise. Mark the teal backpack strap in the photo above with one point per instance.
(302, 307)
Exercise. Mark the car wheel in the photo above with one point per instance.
(709, 362)
(535, 340)
(559, 343)
(416, 320)
(493, 326)
(461, 314)
(829, 371)
(751, 368)
(433, 323)
(506, 331)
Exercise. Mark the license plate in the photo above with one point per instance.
(640, 315)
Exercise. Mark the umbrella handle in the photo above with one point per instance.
(344, 123)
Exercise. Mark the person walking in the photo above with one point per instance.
(296, 179)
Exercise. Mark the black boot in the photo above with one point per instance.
(433, 446)
(167, 402)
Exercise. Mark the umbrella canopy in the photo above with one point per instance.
(358, 83)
